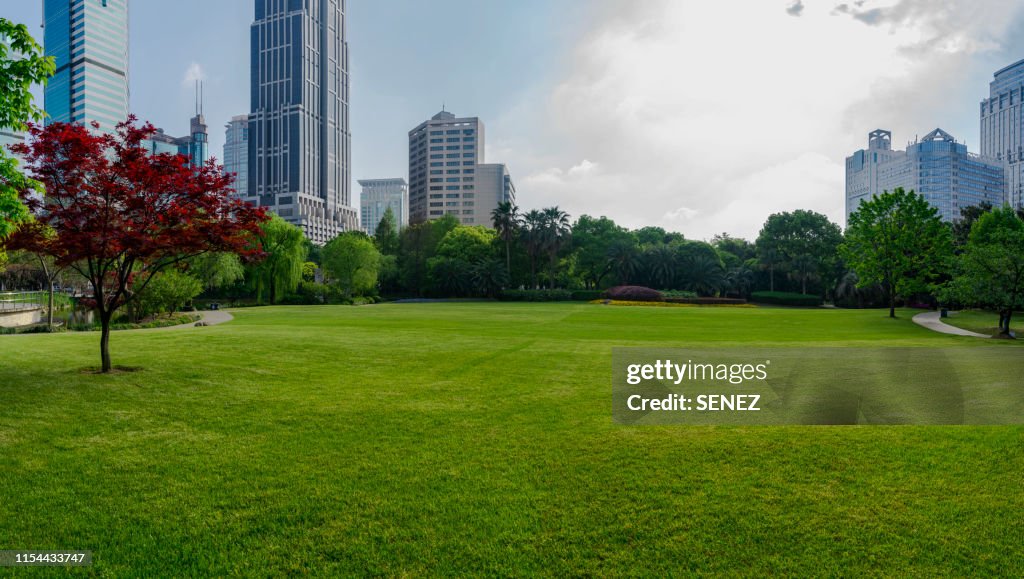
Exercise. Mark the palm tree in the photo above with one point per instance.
(507, 223)
(741, 279)
(533, 238)
(557, 232)
(803, 268)
(624, 259)
(660, 261)
(704, 274)
(769, 258)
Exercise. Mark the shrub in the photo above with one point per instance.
(786, 299)
(540, 295)
(678, 294)
(634, 293)
(707, 301)
(586, 295)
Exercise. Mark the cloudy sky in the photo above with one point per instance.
(697, 116)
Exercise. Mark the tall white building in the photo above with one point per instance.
(300, 141)
(236, 153)
(937, 167)
(447, 173)
(377, 196)
(1002, 128)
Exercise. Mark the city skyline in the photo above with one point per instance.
(617, 113)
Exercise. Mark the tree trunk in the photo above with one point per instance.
(803, 286)
(508, 258)
(892, 305)
(533, 271)
(551, 272)
(105, 341)
(771, 277)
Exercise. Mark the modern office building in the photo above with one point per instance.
(1002, 128)
(236, 153)
(196, 146)
(446, 157)
(493, 187)
(89, 41)
(299, 145)
(379, 194)
(936, 166)
(8, 138)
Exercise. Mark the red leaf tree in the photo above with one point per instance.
(119, 215)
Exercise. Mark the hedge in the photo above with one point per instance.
(634, 293)
(539, 295)
(785, 299)
(707, 301)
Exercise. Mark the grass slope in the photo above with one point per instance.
(475, 438)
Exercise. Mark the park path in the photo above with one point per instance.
(933, 321)
(210, 318)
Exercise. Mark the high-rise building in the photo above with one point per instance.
(447, 174)
(236, 153)
(379, 194)
(89, 41)
(195, 146)
(299, 145)
(8, 138)
(937, 167)
(1002, 128)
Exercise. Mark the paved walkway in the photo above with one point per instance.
(933, 321)
(210, 317)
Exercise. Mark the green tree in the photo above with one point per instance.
(624, 257)
(557, 235)
(216, 270)
(660, 262)
(281, 271)
(992, 265)
(353, 262)
(386, 235)
(22, 65)
(897, 240)
(534, 235)
(591, 239)
(168, 292)
(803, 268)
(968, 217)
(507, 223)
(769, 258)
(804, 235)
(468, 243)
(703, 274)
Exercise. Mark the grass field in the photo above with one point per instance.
(476, 438)
(982, 322)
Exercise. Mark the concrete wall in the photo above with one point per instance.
(21, 318)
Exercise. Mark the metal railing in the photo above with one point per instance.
(22, 301)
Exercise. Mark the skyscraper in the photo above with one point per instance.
(1002, 128)
(89, 40)
(446, 156)
(236, 153)
(936, 167)
(299, 145)
(379, 194)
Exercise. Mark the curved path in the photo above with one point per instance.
(210, 318)
(933, 321)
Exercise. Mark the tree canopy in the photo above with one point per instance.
(897, 240)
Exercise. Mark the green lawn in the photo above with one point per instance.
(476, 438)
(982, 322)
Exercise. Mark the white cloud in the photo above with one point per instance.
(193, 73)
(708, 116)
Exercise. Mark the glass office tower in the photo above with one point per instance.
(299, 137)
(89, 40)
